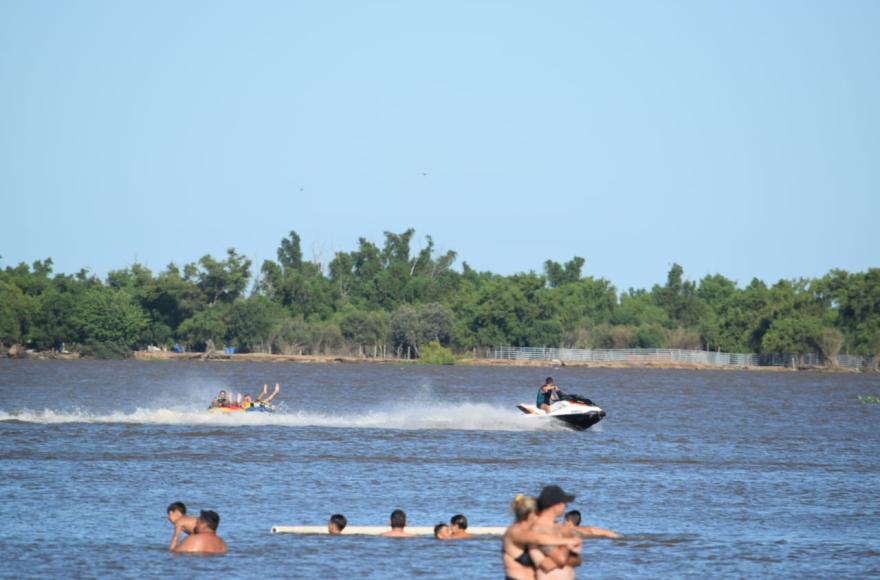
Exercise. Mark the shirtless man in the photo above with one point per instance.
(458, 526)
(398, 522)
(554, 562)
(573, 520)
(181, 522)
(204, 540)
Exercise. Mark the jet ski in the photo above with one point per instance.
(576, 412)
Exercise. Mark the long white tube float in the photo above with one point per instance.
(379, 530)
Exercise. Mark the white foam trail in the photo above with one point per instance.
(462, 416)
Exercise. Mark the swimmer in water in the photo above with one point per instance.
(398, 523)
(458, 526)
(181, 522)
(204, 539)
(573, 520)
(336, 524)
(442, 532)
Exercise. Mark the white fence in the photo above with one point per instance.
(650, 355)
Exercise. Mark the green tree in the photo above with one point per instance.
(586, 302)
(792, 335)
(856, 300)
(54, 323)
(223, 281)
(15, 313)
(297, 285)
(205, 328)
(649, 336)
(365, 329)
(679, 299)
(414, 326)
(253, 324)
(560, 275)
(108, 316)
(638, 307)
(516, 310)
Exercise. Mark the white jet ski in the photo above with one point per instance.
(578, 413)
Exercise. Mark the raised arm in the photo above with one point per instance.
(273, 394)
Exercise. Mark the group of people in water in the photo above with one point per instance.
(225, 400)
(537, 544)
(544, 541)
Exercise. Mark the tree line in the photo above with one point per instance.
(392, 300)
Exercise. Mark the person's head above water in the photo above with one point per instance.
(459, 521)
(398, 519)
(207, 519)
(552, 496)
(248, 398)
(523, 506)
(442, 531)
(573, 517)
(336, 524)
(549, 381)
(176, 511)
(222, 395)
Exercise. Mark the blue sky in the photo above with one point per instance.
(734, 137)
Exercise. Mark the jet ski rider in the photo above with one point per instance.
(547, 395)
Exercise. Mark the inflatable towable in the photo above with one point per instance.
(243, 408)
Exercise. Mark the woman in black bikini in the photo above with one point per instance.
(518, 564)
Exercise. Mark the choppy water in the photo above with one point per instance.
(720, 474)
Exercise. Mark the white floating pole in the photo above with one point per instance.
(378, 530)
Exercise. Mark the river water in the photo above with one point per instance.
(719, 474)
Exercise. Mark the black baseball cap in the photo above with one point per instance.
(552, 495)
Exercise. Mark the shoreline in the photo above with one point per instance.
(219, 356)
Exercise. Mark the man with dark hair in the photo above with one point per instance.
(181, 522)
(336, 524)
(398, 522)
(560, 560)
(458, 526)
(547, 395)
(573, 520)
(221, 400)
(204, 539)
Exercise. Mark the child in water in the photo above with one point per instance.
(181, 522)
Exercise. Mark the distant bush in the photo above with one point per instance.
(104, 350)
(434, 353)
